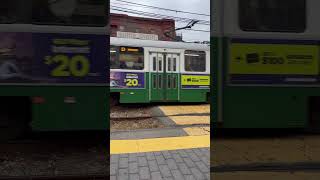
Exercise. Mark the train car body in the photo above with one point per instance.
(144, 71)
(53, 66)
(265, 55)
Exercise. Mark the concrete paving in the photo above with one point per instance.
(266, 150)
(182, 164)
(179, 151)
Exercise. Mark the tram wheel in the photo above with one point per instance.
(113, 101)
(11, 127)
(208, 98)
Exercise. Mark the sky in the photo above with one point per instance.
(196, 6)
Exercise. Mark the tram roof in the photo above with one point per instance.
(157, 44)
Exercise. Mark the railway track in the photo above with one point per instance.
(148, 117)
(69, 177)
(75, 137)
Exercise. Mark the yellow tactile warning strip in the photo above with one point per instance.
(185, 109)
(197, 131)
(190, 120)
(158, 144)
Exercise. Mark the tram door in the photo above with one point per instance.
(164, 69)
(172, 77)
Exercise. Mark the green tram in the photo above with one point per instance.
(144, 71)
(53, 66)
(265, 55)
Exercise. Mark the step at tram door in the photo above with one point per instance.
(164, 76)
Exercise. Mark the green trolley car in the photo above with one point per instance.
(53, 66)
(265, 63)
(144, 71)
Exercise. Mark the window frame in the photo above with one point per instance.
(117, 55)
(195, 51)
(118, 48)
(278, 30)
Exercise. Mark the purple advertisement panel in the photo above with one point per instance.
(71, 58)
(27, 58)
(16, 58)
(127, 80)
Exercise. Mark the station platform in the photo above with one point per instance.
(178, 159)
(179, 151)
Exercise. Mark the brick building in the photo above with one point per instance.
(141, 28)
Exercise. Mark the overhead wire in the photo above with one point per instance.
(166, 9)
(199, 30)
(156, 15)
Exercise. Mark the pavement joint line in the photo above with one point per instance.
(168, 127)
(268, 167)
(158, 144)
(158, 133)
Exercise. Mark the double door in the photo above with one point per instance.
(164, 76)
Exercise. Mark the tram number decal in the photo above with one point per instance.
(77, 66)
(132, 82)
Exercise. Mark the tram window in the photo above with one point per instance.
(174, 64)
(272, 15)
(130, 58)
(160, 81)
(169, 64)
(70, 12)
(154, 81)
(160, 63)
(154, 64)
(114, 62)
(169, 81)
(174, 83)
(195, 61)
(15, 11)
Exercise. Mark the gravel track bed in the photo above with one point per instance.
(53, 158)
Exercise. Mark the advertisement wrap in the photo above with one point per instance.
(131, 80)
(16, 58)
(189, 81)
(41, 58)
(279, 63)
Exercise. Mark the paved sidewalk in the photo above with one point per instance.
(182, 164)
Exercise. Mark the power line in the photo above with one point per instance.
(124, 4)
(188, 26)
(133, 21)
(166, 9)
(155, 15)
(198, 30)
(182, 21)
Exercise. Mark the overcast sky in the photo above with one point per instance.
(197, 6)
